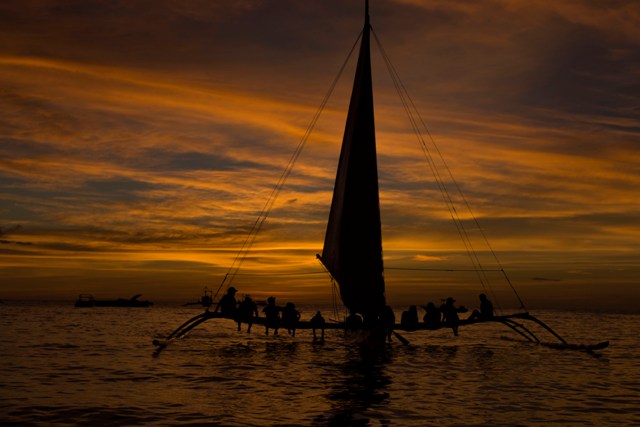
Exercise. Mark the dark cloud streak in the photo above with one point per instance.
(153, 129)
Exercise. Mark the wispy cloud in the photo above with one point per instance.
(148, 145)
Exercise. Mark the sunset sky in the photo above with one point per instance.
(139, 140)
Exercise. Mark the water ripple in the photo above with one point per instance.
(83, 367)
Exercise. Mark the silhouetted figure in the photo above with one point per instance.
(388, 319)
(450, 315)
(290, 317)
(353, 322)
(433, 316)
(317, 322)
(272, 313)
(409, 319)
(247, 309)
(486, 309)
(206, 300)
(228, 303)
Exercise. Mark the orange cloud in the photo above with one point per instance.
(131, 163)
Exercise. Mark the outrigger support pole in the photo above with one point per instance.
(181, 331)
(185, 324)
(519, 327)
(541, 323)
(515, 326)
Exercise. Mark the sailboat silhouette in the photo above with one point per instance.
(352, 252)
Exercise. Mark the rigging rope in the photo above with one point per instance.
(416, 120)
(242, 254)
(411, 109)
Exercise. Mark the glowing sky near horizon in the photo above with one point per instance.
(139, 141)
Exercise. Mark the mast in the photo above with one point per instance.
(353, 241)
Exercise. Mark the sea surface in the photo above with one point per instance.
(95, 366)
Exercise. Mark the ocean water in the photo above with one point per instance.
(91, 367)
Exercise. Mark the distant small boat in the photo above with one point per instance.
(87, 300)
(205, 301)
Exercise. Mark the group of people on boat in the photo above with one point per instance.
(445, 315)
(287, 317)
(242, 312)
(276, 317)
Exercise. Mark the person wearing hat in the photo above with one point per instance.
(228, 303)
(450, 315)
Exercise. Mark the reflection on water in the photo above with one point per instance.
(95, 367)
(361, 387)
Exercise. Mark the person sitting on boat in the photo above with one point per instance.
(247, 309)
(486, 309)
(450, 315)
(389, 320)
(353, 322)
(433, 317)
(409, 319)
(290, 317)
(228, 303)
(272, 313)
(317, 322)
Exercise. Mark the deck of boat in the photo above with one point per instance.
(306, 324)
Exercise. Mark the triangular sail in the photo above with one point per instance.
(353, 242)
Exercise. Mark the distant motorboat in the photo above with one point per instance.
(87, 300)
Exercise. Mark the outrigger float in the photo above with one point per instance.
(352, 252)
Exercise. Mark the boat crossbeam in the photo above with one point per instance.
(507, 320)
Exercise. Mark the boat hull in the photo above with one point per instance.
(87, 301)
